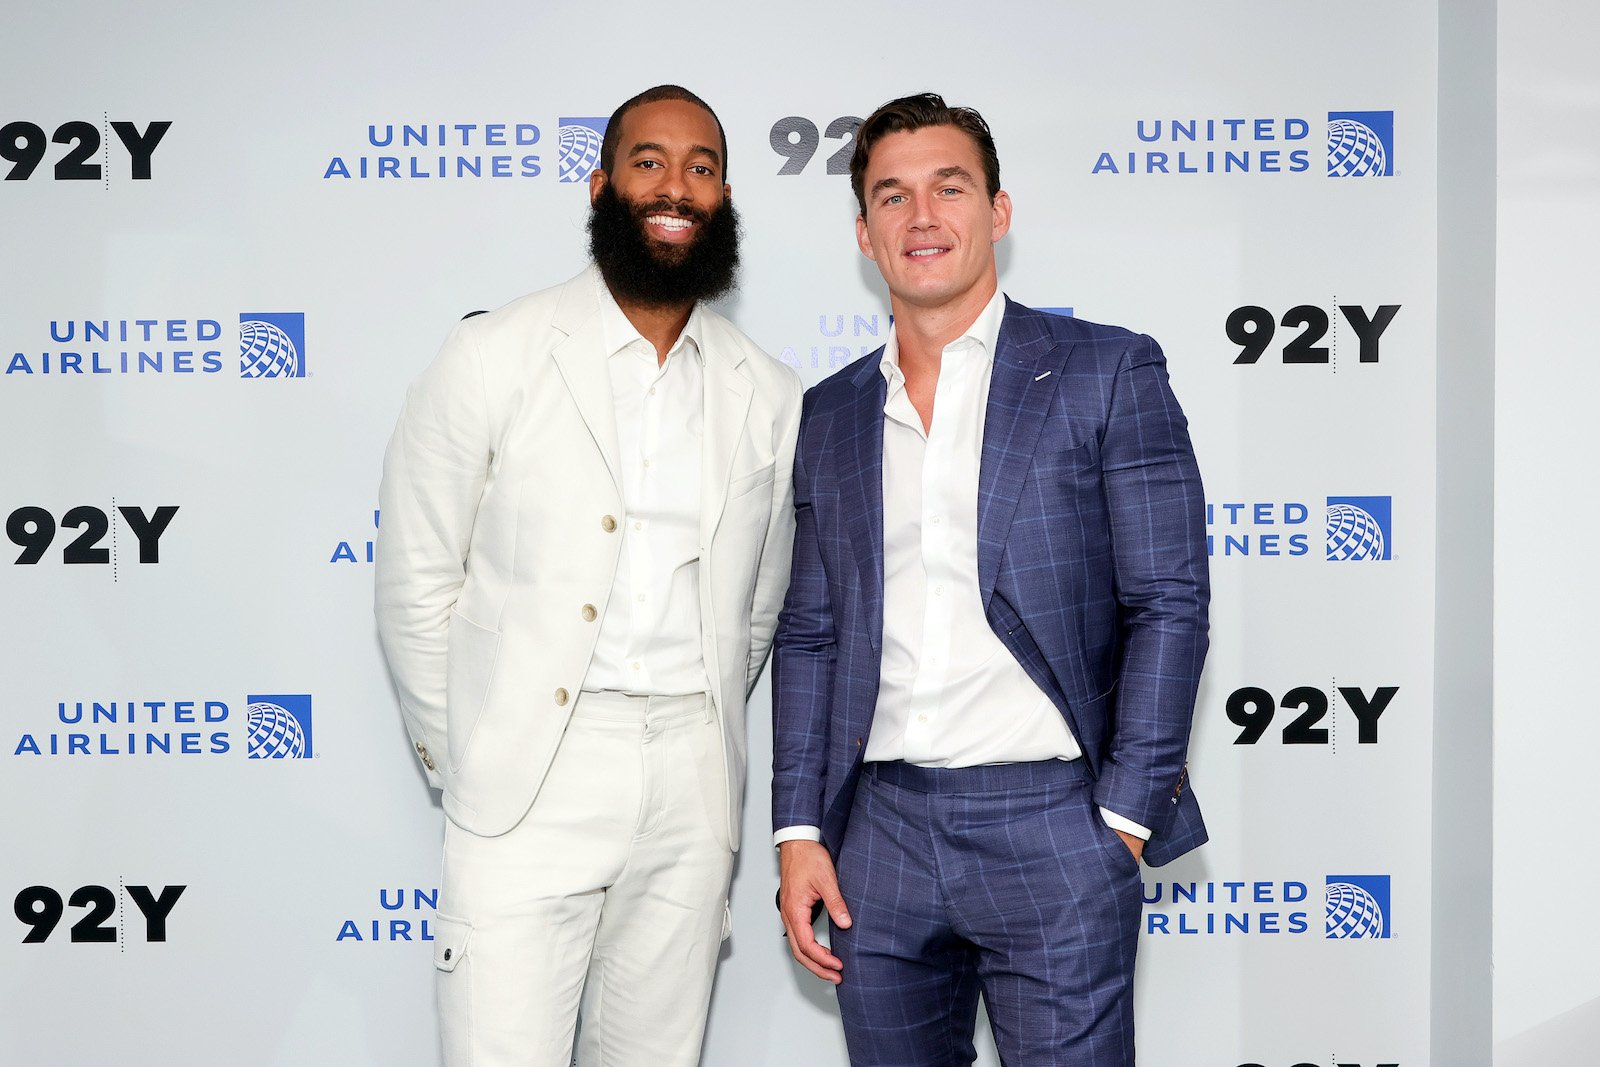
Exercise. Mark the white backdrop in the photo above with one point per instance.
(261, 592)
(1546, 984)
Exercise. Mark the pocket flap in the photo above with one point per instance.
(450, 941)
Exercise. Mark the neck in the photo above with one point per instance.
(923, 332)
(658, 324)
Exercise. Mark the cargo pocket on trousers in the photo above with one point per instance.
(451, 942)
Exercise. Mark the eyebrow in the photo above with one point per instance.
(694, 150)
(941, 174)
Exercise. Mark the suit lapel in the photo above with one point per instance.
(727, 400)
(861, 486)
(1027, 372)
(587, 377)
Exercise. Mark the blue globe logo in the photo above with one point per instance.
(1353, 534)
(1355, 150)
(265, 351)
(1352, 912)
(580, 153)
(274, 733)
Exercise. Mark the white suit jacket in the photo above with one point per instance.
(501, 527)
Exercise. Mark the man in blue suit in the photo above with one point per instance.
(988, 657)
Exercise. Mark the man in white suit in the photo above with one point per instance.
(587, 525)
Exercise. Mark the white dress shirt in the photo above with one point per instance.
(951, 693)
(650, 639)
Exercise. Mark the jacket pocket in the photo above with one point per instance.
(750, 483)
(469, 669)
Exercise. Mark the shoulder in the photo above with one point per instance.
(770, 377)
(1092, 342)
(572, 301)
(844, 384)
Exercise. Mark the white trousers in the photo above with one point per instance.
(613, 889)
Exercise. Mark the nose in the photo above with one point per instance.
(922, 213)
(673, 186)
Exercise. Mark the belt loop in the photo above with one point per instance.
(709, 709)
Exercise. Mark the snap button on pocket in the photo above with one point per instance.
(450, 943)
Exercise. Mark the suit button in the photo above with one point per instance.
(608, 524)
(561, 698)
(588, 613)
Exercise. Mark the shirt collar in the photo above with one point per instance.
(617, 333)
(984, 333)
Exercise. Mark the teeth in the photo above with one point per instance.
(669, 222)
(925, 251)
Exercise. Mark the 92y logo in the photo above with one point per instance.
(1252, 328)
(796, 139)
(1253, 709)
(25, 144)
(34, 530)
(42, 909)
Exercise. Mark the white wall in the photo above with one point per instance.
(1547, 440)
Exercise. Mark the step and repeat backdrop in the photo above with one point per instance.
(234, 234)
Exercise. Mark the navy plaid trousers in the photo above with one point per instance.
(998, 879)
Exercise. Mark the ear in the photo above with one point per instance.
(727, 191)
(597, 182)
(1002, 216)
(863, 240)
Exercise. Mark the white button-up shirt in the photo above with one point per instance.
(650, 641)
(951, 693)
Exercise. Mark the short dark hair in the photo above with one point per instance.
(608, 145)
(915, 113)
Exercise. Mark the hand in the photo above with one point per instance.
(1135, 844)
(806, 876)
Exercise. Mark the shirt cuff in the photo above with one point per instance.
(1117, 822)
(802, 833)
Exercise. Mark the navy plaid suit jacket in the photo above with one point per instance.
(1091, 563)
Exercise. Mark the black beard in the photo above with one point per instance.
(640, 270)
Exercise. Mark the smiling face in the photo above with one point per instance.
(662, 228)
(929, 224)
(668, 170)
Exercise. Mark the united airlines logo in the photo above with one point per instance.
(580, 141)
(1360, 527)
(481, 148)
(279, 727)
(272, 345)
(1357, 906)
(266, 726)
(1354, 528)
(1360, 144)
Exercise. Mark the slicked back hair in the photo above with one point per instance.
(608, 145)
(915, 113)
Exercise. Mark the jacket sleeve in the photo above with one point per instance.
(433, 476)
(772, 573)
(803, 666)
(1157, 515)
